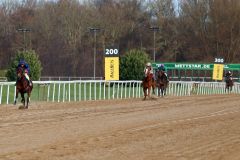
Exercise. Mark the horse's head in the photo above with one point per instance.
(160, 74)
(20, 72)
(149, 76)
(161, 77)
(229, 80)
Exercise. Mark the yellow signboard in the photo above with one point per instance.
(111, 68)
(218, 71)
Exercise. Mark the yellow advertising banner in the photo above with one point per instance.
(111, 68)
(218, 71)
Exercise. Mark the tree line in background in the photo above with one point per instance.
(59, 31)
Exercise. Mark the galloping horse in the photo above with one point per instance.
(22, 86)
(148, 83)
(229, 84)
(162, 83)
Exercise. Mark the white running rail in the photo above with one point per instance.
(62, 91)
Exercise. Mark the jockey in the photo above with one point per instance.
(26, 68)
(228, 75)
(147, 68)
(162, 68)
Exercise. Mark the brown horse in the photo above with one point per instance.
(162, 83)
(148, 84)
(229, 84)
(22, 87)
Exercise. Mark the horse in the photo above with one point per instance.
(162, 83)
(229, 84)
(148, 84)
(22, 87)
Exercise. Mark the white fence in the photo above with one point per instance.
(62, 91)
(65, 78)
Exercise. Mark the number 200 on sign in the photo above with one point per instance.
(219, 60)
(111, 51)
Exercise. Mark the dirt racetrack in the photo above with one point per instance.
(171, 128)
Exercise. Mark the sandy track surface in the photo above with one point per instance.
(170, 128)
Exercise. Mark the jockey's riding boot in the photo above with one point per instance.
(166, 76)
(30, 83)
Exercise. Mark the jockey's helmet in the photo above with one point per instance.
(148, 64)
(21, 61)
(162, 65)
(229, 72)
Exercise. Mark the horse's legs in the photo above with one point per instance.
(23, 99)
(27, 102)
(145, 93)
(28, 97)
(149, 92)
(165, 90)
(153, 88)
(162, 91)
(16, 97)
(227, 89)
